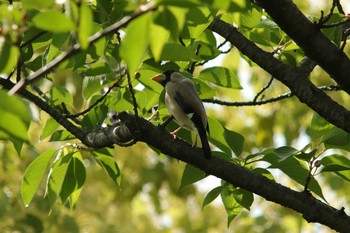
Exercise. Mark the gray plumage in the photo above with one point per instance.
(184, 104)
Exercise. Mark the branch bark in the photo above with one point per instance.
(293, 77)
(309, 37)
(126, 130)
(312, 209)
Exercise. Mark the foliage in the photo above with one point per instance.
(93, 75)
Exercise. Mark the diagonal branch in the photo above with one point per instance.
(264, 101)
(312, 209)
(77, 48)
(296, 79)
(309, 37)
(126, 130)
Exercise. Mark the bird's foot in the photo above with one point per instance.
(174, 135)
(175, 132)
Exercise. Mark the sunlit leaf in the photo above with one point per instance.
(74, 179)
(212, 195)
(61, 95)
(243, 197)
(13, 125)
(37, 4)
(34, 174)
(335, 163)
(285, 151)
(191, 175)
(9, 55)
(49, 128)
(220, 76)
(233, 208)
(226, 140)
(56, 177)
(176, 52)
(131, 52)
(85, 24)
(105, 158)
(53, 21)
(91, 85)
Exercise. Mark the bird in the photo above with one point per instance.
(184, 104)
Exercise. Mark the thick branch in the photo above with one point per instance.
(312, 209)
(295, 78)
(308, 36)
(126, 130)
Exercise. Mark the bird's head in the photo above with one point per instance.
(167, 76)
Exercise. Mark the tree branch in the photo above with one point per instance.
(312, 209)
(264, 101)
(309, 37)
(126, 130)
(294, 78)
(76, 48)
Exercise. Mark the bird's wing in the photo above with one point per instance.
(186, 96)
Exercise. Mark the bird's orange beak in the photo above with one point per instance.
(159, 78)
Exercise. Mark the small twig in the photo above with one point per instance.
(131, 89)
(346, 20)
(32, 39)
(339, 7)
(193, 64)
(99, 100)
(76, 48)
(262, 102)
(263, 89)
(345, 36)
(324, 19)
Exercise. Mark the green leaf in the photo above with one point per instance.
(96, 115)
(85, 25)
(134, 45)
(105, 158)
(37, 4)
(179, 3)
(243, 197)
(234, 140)
(160, 29)
(220, 76)
(98, 68)
(191, 175)
(34, 174)
(264, 172)
(226, 140)
(13, 125)
(198, 19)
(232, 207)
(176, 52)
(61, 135)
(53, 21)
(321, 130)
(49, 128)
(285, 151)
(61, 95)
(334, 163)
(295, 170)
(212, 195)
(91, 85)
(251, 17)
(57, 175)
(334, 33)
(74, 180)
(9, 55)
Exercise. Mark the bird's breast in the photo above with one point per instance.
(183, 119)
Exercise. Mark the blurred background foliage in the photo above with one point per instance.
(149, 198)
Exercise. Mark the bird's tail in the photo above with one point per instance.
(202, 134)
(205, 144)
